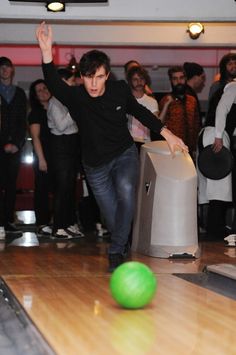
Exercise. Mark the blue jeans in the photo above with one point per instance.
(114, 187)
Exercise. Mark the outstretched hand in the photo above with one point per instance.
(174, 142)
(44, 37)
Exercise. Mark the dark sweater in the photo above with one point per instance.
(102, 120)
(13, 119)
(191, 92)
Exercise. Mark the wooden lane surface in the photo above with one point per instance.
(64, 287)
(85, 256)
(78, 316)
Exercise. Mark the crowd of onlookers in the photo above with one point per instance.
(56, 143)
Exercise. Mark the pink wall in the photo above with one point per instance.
(29, 55)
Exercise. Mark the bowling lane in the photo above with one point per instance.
(85, 257)
(78, 316)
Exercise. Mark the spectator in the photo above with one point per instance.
(196, 78)
(227, 73)
(137, 79)
(182, 116)
(39, 97)
(65, 152)
(219, 131)
(13, 106)
(133, 63)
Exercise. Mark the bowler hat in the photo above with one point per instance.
(213, 165)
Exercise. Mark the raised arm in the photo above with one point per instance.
(44, 37)
(63, 92)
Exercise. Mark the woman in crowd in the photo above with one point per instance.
(39, 97)
(65, 155)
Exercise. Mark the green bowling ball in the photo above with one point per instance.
(133, 285)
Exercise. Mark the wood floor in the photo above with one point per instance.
(64, 288)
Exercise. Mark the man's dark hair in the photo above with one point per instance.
(127, 65)
(6, 61)
(140, 71)
(92, 60)
(223, 62)
(175, 69)
(192, 69)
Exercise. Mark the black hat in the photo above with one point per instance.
(65, 73)
(5, 61)
(213, 165)
(192, 69)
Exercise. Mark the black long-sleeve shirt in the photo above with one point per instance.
(101, 120)
(38, 115)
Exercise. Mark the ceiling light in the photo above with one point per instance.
(195, 29)
(59, 5)
(55, 6)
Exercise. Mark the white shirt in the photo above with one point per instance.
(59, 119)
(138, 131)
(227, 100)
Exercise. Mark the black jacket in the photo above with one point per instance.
(13, 119)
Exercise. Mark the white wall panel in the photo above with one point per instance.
(135, 10)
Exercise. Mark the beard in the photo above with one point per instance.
(179, 90)
(232, 75)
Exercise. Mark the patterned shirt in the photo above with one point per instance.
(182, 118)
